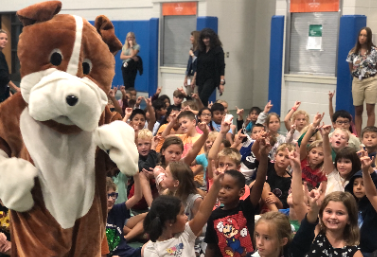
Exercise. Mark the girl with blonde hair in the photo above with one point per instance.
(130, 60)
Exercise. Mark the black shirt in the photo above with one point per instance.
(232, 230)
(4, 74)
(210, 65)
(279, 185)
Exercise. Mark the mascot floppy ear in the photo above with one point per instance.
(106, 29)
(39, 12)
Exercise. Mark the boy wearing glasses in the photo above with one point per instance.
(342, 120)
(119, 216)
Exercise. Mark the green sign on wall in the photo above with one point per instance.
(315, 37)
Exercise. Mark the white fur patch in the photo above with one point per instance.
(75, 57)
(66, 169)
(46, 92)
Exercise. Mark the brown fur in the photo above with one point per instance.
(36, 232)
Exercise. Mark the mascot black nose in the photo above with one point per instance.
(71, 100)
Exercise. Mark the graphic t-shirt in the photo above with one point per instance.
(229, 230)
(314, 177)
(114, 232)
(279, 185)
(181, 245)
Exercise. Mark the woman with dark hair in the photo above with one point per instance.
(362, 61)
(210, 65)
(191, 63)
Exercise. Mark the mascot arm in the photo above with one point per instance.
(16, 181)
(117, 139)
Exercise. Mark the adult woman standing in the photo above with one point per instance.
(362, 61)
(210, 65)
(130, 60)
(191, 63)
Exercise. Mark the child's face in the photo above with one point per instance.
(335, 216)
(253, 116)
(358, 188)
(208, 144)
(339, 140)
(139, 121)
(370, 139)
(144, 146)
(226, 163)
(180, 223)
(344, 167)
(217, 116)
(167, 102)
(343, 123)
(169, 181)
(301, 122)
(225, 107)
(187, 125)
(315, 156)
(274, 124)
(110, 199)
(170, 117)
(177, 100)
(256, 132)
(172, 153)
(162, 111)
(266, 240)
(205, 116)
(281, 160)
(230, 192)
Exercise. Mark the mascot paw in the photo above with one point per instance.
(16, 181)
(118, 139)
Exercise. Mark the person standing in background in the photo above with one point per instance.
(191, 64)
(130, 60)
(210, 65)
(4, 70)
(362, 61)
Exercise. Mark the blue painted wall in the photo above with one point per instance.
(348, 32)
(212, 23)
(276, 62)
(146, 32)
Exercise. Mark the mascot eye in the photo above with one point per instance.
(56, 57)
(86, 66)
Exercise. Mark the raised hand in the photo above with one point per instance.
(296, 105)
(158, 91)
(225, 125)
(115, 90)
(203, 127)
(111, 93)
(366, 162)
(148, 101)
(294, 156)
(317, 119)
(271, 198)
(331, 95)
(180, 89)
(216, 173)
(325, 130)
(240, 112)
(195, 96)
(293, 128)
(239, 137)
(268, 107)
(155, 141)
(138, 101)
(264, 145)
(123, 89)
(127, 115)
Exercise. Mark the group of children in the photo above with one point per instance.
(206, 187)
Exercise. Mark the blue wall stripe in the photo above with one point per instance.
(146, 32)
(348, 32)
(276, 62)
(209, 22)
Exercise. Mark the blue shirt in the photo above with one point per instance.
(218, 126)
(114, 232)
(202, 160)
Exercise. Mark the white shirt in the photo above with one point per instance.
(181, 245)
(335, 182)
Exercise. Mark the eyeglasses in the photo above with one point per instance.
(206, 114)
(112, 195)
(342, 122)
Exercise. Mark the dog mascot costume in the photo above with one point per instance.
(58, 138)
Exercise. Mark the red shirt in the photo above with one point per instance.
(311, 176)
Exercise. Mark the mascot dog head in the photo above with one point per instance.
(67, 66)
